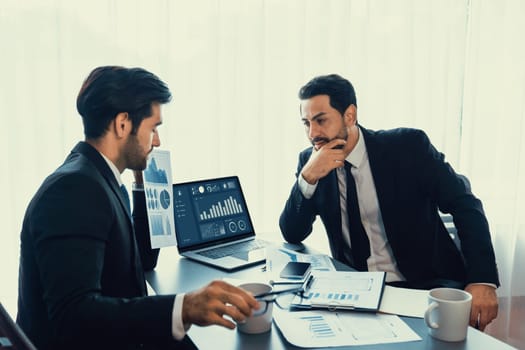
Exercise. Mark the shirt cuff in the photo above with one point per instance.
(178, 330)
(306, 189)
(485, 284)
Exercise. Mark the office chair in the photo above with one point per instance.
(451, 228)
(449, 221)
(11, 336)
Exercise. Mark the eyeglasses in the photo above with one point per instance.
(283, 297)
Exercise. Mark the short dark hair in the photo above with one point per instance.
(110, 90)
(339, 90)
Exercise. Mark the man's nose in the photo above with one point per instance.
(156, 140)
(313, 131)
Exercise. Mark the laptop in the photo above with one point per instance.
(213, 226)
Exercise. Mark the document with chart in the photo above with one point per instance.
(317, 329)
(159, 202)
(350, 290)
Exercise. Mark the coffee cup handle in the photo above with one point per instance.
(430, 323)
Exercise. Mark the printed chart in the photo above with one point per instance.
(312, 329)
(159, 203)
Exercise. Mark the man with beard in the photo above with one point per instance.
(378, 194)
(83, 255)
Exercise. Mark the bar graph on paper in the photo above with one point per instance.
(333, 291)
(343, 289)
(312, 329)
(160, 225)
(321, 327)
(328, 297)
(318, 327)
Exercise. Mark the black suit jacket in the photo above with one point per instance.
(81, 280)
(412, 181)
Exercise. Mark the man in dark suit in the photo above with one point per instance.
(378, 195)
(81, 282)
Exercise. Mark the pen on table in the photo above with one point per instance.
(308, 283)
(261, 296)
(272, 282)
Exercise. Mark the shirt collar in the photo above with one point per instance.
(357, 155)
(113, 168)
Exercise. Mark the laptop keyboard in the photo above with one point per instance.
(221, 252)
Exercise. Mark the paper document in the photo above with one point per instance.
(404, 301)
(320, 262)
(353, 290)
(159, 199)
(278, 257)
(313, 329)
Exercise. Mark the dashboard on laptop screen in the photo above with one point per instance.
(209, 210)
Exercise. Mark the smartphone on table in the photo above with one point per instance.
(296, 270)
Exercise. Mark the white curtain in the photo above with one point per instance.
(493, 144)
(453, 68)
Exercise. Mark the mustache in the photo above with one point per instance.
(319, 139)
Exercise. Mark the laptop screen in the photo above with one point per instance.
(209, 211)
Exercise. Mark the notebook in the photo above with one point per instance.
(213, 226)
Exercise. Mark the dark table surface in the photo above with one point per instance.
(175, 274)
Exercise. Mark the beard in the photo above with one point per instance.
(342, 135)
(135, 155)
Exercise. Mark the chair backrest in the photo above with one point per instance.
(448, 220)
(11, 335)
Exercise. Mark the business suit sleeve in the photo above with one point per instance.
(75, 219)
(148, 255)
(299, 213)
(453, 195)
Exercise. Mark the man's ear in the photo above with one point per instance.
(350, 115)
(122, 124)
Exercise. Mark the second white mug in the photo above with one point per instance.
(448, 313)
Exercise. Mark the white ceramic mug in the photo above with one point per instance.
(448, 313)
(261, 320)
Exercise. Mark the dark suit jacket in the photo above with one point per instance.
(412, 181)
(81, 280)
